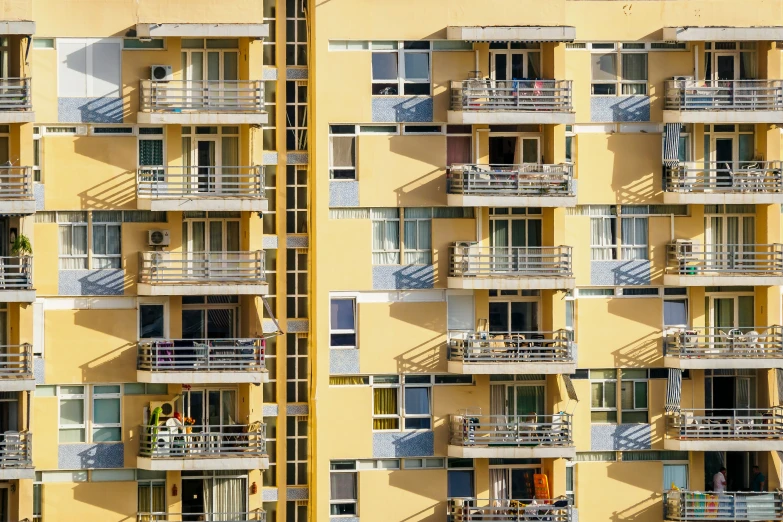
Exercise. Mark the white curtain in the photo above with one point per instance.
(385, 236)
(229, 498)
(601, 238)
(634, 238)
(73, 242)
(498, 480)
(635, 69)
(229, 180)
(207, 494)
(676, 474)
(497, 405)
(348, 213)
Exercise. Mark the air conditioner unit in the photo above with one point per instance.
(161, 73)
(683, 249)
(682, 82)
(168, 407)
(158, 238)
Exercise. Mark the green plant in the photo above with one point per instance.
(22, 246)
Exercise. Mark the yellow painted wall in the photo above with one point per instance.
(619, 490)
(415, 495)
(73, 502)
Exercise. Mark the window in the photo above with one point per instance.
(570, 144)
(269, 131)
(270, 360)
(603, 395)
(418, 413)
(633, 237)
(416, 398)
(401, 68)
(296, 377)
(106, 420)
(633, 396)
(106, 242)
(72, 414)
(603, 238)
(151, 492)
(429, 463)
(88, 67)
(270, 216)
(343, 489)
(569, 483)
(73, 240)
(151, 151)
(607, 244)
(37, 155)
(37, 501)
(140, 388)
(296, 199)
(675, 309)
(632, 76)
(296, 283)
(342, 323)
(342, 157)
(296, 114)
(675, 475)
(295, 33)
(385, 236)
(270, 18)
(386, 403)
(417, 236)
(151, 321)
(296, 452)
(460, 479)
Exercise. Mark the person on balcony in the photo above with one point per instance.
(719, 481)
(759, 482)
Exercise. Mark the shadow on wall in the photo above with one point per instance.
(436, 511)
(647, 510)
(639, 190)
(90, 494)
(433, 183)
(644, 352)
(113, 193)
(429, 356)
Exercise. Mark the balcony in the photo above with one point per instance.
(16, 101)
(723, 101)
(693, 264)
(16, 279)
(511, 436)
(16, 368)
(720, 183)
(472, 509)
(526, 185)
(509, 268)
(16, 455)
(482, 101)
(258, 515)
(173, 448)
(180, 188)
(745, 429)
(481, 353)
(729, 505)
(715, 348)
(201, 273)
(16, 190)
(202, 102)
(201, 361)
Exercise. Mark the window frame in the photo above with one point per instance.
(85, 414)
(111, 257)
(72, 225)
(397, 251)
(345, 502)
(611, 248)
(38, 155)
(603, 408)
(634, 409)
(405, 415)
(677, 298)
(404, 241)
(153, 301)
(94, 426)
(402, 80)
(338, 331)
(332, 168)
(638, 248)
(620, 82)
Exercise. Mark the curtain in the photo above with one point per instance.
(458, 150)
(385, 236)
(497, 404)
(385, 403)
(208, 496)
(417, 400)
(747, 66)
(342, 486)
(748, 231)
(344, 381)
(347, 213)
(533, 66)
(343, 151)
(73, 242)
(601, 238)
(498, 479)
(742, 391)
(634, 234)
(635, 69)
(675, 475)
(228, 401)
(229, 181)
(229, 498)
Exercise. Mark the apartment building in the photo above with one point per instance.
(548, 260)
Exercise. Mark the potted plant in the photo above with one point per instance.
(23, 249)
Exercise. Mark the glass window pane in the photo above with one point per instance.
(71, 411)
(460, 483)
(106, 435)
(384, 66)
(343, 486)
(343, 314)
(417, 66)
(72, 435)
(635, 67)
(604, 67)
(150, 321)
(417, 401)
(106, 411)
(597, 394)
(610, 394)
(640, 395)
(626, 395)
(675, 312)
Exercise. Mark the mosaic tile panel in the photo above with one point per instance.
(269, 410)
(343, 193)
(297, 241)
(619, 108)
(296, 73)
(620, 273)
(269, 73)
(410, 444)
(297, 409)
(269, 158)
(269, 495)
(620, 437)
(392, 109)
(39, 370)
(89, 110)
(91, 456)
(91, 282)
(343, 361)
(269, 242)
(296, 158)
(297, 325)
(297, 493)
(38, 194)
(403, 277)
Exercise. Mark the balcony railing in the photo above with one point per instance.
(16, 183)
(195, 442)
(511, 95)
(527, 179)
(742, 177)
(731, 259)
(239, 96)
(697, 505)
(469, 259)
(745, 424)
(15, 94)
(179, 182)
(16, 450)
(513, 347)
(511, 430)
(196, 268)
(16, 273)
(16, 361)
(201, 355)
(754, 342)
(472, 509)
(258, 515)
(724, 95)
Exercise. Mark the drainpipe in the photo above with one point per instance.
(695, 63)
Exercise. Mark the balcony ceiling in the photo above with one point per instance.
(22, 27)
(722, 34)
(147, 30)
(512, 33)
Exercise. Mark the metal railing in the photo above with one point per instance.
(511, 347)
(726, 424)
(16, 94)
(511, 430)
(175, 96)
(723, 259)
(470, 259)
(16, 183)
(16, 450)
(170, 182)
(472, 509)
(722, 95)
(752, 342)
(698, 505)
(527, 179)
(740, 177)
(16, 273)
(203, 441)
(183, 268)
(201, 355)
(16, 360)
(512, 95)
(258, 515)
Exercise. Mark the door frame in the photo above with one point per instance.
(517, 299)
(509, 53)
(520, 136)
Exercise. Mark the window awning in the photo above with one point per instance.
(202, 30)
(569, 386)
(512, 33)
(671, 144)
(673, 391)
(722, 34)
(22, 27)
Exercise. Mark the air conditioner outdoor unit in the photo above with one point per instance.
(683, 81)
(683, 249)
(161, 73)
(158, 238)
(168, 407)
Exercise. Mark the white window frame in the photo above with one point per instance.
(611, 248)
(342, 501)
(72, 225)
(642, 249)
(38, 155)
(401, 414)
(151, 137)
(406, 244)
(687, 310)
(405, 415)
(111, 257)
(398, 415)
(85, 413)
(402, 80)
(332, 167)
(398, 250)
(337, 331)
(617, 51)
(99, 396)
(603, 407)
(634, 408)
